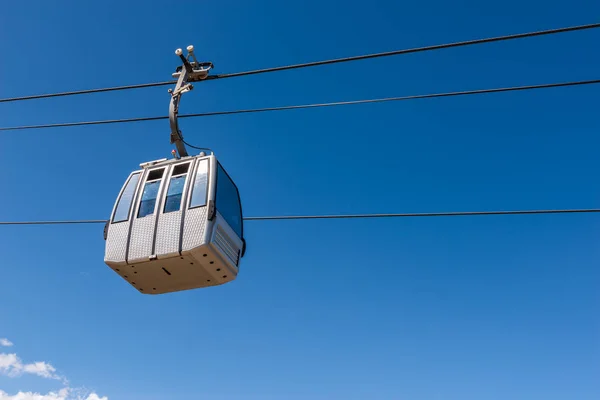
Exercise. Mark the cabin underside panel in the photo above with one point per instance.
(177, 273)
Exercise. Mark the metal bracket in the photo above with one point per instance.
(106, 229)
(211, 210)
(190, 71)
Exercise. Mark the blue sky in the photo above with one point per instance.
(465, 308)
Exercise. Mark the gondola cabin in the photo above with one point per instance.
(176, 225)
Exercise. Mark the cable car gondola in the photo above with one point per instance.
(177, 223)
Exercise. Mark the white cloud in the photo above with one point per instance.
(9, 364)
(40, 368)
(12, 366)
(63, 394)
(94, 396)
(60, 395)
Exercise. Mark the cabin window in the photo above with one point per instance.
(176, 185)
(228, 201)
(199, 191)
(124, 204)
(148, 202)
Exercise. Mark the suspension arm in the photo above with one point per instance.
(188, 72)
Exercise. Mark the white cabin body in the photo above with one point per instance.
(176, 225)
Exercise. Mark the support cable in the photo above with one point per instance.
(413, 50)
(318, 63)
(306, 106)
(342, 216)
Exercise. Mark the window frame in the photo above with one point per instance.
(239, 200)
(158, 191)
(185, 174)
(192, 184)
(132, 202)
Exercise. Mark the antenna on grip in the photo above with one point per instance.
(190, 71)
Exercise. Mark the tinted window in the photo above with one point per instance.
(124, 204)
(175, 191)
(148, 202)
(173, 202)
(228, 201)
(200, 185)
